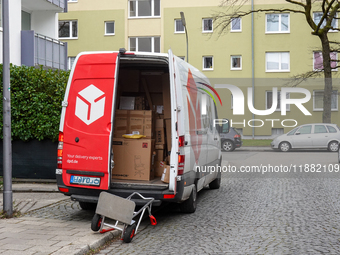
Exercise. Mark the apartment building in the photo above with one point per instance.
(34, 33)
(279, 47)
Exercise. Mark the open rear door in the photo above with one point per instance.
(87, 121)
(177, 128)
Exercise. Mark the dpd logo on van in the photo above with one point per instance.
(90, 104)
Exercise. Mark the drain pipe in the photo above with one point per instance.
(252, 63)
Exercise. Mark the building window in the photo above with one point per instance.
(179, 28)
(317, 18)
(318, 100)
(109, 27)
(208, 63)
(144, 8)
(236, 25)
(70, 62)
(277, 62)
(68, 29)
(277, 23)
(207, 25)
(318, 60)
(269, 100)
(145, 44)
(236, 63)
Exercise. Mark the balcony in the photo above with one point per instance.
(45, 5)
(42, 50)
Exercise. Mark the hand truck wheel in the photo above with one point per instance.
(96, 222)
(129, 233)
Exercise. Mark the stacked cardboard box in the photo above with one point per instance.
(129, 121)
(133, 159)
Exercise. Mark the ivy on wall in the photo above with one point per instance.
(36, 96)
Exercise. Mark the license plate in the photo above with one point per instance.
(93, 181)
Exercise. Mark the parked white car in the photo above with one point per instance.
(309, 136)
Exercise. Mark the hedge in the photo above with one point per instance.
(36, 96)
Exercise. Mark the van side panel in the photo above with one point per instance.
(88, 119)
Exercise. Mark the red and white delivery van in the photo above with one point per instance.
(111, 93)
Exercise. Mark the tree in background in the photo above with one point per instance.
(323, 22)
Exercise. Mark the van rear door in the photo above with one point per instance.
(86, 121)
(177, 127)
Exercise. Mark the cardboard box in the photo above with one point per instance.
(127, 121)
(127, 103)
(159, 155)
(140, 103)
(166, 96)
(159, 130)
(159, 168)
(133, 159)
(166, 174)
(159, 146)
(168, 133)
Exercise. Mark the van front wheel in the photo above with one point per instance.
(189, 205)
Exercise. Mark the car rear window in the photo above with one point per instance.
(331, 129)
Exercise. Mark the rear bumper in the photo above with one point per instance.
(92, 195)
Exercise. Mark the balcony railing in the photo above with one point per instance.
(61, 3)
(42, 50)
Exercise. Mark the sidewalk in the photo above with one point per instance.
(51, 223)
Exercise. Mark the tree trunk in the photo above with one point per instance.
(327, 95)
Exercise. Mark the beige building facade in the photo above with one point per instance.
(280, 47)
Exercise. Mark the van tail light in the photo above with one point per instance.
(237, 136)
(181, 141)
(181, 159)
(60, 150)
(64, 190)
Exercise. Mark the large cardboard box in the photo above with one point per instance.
(168, 133)
(159, 155)
(133, 159)
(127, 121)
(166, 174)
(166, 96)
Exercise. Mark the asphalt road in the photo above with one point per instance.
(293, 212)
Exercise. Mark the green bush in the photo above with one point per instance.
(36, 96)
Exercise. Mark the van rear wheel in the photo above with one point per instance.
(189, 205)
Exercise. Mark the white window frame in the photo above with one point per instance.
(212, 25)
(336, 58)
(70, 63)
(321, 109)
(72, 1)
(212, 61)
(71, 26)
(178, 32)
(280, 58)
(114, 24)
(280, 28)
(279, 96)
(145, 17)
(336, 22)
(231, 62)
(152, 43)
(235, 30)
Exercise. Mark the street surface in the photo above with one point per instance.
(254, 213)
